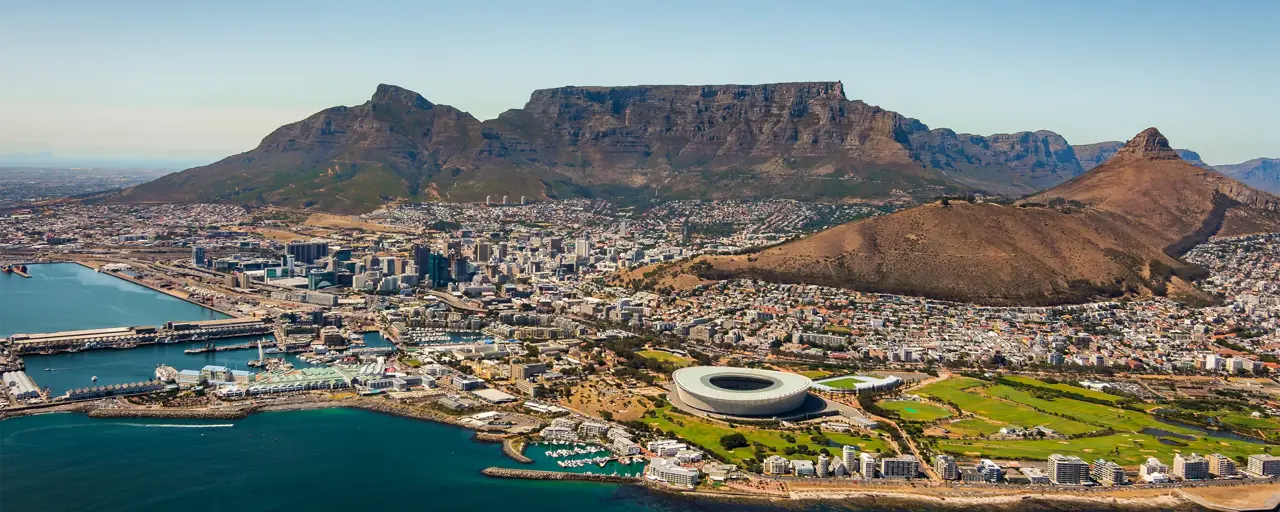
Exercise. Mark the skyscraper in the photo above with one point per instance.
(307, 252)
(197, 256)
(432, 268)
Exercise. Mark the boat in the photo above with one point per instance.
(94, 378)
(48, 369)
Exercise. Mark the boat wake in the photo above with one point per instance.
(174, 425)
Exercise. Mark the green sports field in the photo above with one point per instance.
(848, 382)
(916, 411)
(665, 357)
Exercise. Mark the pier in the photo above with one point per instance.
(129, 337)
(533, 474)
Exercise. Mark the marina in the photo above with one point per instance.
(584, 458)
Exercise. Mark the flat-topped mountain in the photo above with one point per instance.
(801, 140)
(1115, 230)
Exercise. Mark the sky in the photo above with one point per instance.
(197, 81)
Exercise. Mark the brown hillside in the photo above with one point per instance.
(1117, 229)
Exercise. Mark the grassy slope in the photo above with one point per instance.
(706, 435)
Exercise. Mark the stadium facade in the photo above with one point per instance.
(740, 391)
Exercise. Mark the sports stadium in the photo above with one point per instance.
(740, 391)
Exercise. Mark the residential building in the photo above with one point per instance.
(669, 471)
(1107, 473)
(867, 465)
(1264, 465)
(1154, 471)
(1067, 470)
(902, 466)
(990, 471)
(1192, 467)
(849, 454)
(803, 467)
(945, 465)
(776, 465)
(1221, 466)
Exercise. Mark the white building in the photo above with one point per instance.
(1068, 470)
(1154, 471)
(1264, 465)
(667, 470)
(1191, 467)
(945, 465)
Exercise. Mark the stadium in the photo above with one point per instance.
(740, 391)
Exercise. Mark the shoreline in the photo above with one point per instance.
(1123, 498)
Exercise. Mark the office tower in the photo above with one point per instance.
(307, 252)
(197, 256)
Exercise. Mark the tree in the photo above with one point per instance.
(734, 440)
(606, 415)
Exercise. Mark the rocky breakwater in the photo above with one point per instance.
(531, 474)
(219, 414)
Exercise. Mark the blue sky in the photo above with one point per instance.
(202, 80)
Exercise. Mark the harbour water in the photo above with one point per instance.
(67, 296)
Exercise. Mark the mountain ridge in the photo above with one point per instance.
(1116, 230)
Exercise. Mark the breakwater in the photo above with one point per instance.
(514, 448)
(533, 474)
(214, 414)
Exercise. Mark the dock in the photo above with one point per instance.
(132, 336)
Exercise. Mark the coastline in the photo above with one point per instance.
(908, 495)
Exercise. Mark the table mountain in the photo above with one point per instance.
(801, 140)
(1115, 230)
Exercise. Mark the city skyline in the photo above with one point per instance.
(99, 86)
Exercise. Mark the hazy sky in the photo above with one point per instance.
(170, 79)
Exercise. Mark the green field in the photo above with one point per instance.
(665, 357)
(1014, 414)
(972, 427)
(815, 374)
(1134, 448)
(1066, 388)
(843, 382)
(915, 411)
(1100, 415)
(706, 435)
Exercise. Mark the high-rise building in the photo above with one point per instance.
(484, 251)
(867, 465)
(902, 466)
(776, 465)
(824, 466)
(945, 465)
(307, 252)
(1264, 465)
(1107, 473)
(1221, 466)
(461, 270)
(850, 456)
(1191, 467)
(1067, 470)
(433, 268)
(197, 256)
(582, 248)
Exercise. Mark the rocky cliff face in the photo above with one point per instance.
(1093, 155)
(1260, 173)
(800, 140)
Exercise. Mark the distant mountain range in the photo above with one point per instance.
(1116, 230)
(797, 140)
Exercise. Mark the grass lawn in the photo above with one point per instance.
(972, 427)
(1134, 448)
(706, 435)
(665, 357)
(843, 382)
(1065, 387)
(916, 411)
(815, 374)
(1101, 415)
(1015, 414)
